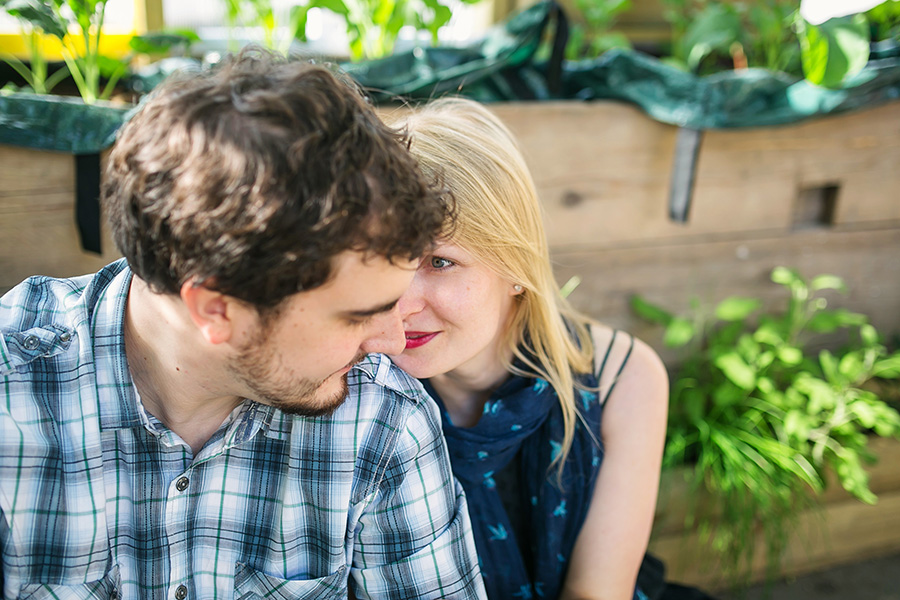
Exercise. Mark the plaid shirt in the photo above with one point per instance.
(98, 499)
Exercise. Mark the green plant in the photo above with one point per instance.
(35, 73)
(374, 25)
(81, 52)
(758, 418)
(591, 30)
(256, 13)
(884, 21)
(711, 35)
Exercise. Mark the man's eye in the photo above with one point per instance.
(440, 263)
(359, 321)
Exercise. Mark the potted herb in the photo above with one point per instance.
(760, 422)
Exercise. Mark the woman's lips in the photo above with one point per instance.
(417, 339)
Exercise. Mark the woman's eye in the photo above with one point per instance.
(440, 263)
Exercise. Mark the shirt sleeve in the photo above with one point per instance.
(415, 538)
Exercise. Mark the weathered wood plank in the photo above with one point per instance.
(38, 236)
(602, 171)
(839, 533)
(24, 171)
(672, 274)
(676, 496)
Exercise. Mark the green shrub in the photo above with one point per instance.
(758, 418)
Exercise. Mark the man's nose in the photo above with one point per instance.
(389, 337)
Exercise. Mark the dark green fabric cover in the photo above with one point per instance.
(503, 67)
(58, 123)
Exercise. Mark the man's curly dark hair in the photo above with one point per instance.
(251, 178)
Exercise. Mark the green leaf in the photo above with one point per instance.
(650, 312)
(111, 67)
(383, 11)
(765, 359)
(737, 370)
(678, 333)
(829, 365)
(716, 28)
(835, 50)
(888, 368)
(852, 476)
(157, 43)
(827, 321)
(766, 386)
(736, 308)
(785, 276)
(727, 394)
(851, 366)
(866, 414)
(335, 6)
(796, 425)
(828, 282)
(297, 20)
(694, 404)
(868, 335)
(790, 355)
(39, 14)
(768, 333)
(568, 287)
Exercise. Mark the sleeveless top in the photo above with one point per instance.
(524, 517)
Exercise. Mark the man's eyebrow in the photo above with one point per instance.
(359, 314)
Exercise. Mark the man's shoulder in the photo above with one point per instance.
(377, 375)
(390, 405)
(41, 299)
(41, 316)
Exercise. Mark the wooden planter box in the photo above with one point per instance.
(38, 235)
(842, 530)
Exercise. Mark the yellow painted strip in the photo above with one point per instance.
(114, 45)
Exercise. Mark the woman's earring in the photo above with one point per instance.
(518, 288)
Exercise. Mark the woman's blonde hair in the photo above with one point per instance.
(468, 149)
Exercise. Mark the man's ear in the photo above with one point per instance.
(209, 310)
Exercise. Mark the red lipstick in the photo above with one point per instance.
(417, 339)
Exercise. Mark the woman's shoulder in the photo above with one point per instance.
(619, 357)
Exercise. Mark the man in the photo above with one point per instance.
(175, 426)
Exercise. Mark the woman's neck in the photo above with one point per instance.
(464, 392)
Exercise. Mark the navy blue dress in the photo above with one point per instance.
(525, 519)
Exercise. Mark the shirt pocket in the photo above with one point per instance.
(106, 588)
(20, 348)
(250, 584)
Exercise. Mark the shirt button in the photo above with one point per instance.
(114, 595)
(31, 342)
(181, 592)
(181, 485)
(65, 336)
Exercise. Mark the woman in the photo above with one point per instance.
(555, 424)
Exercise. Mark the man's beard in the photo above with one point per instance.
(256, 367)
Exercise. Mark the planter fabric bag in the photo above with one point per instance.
(505, 66)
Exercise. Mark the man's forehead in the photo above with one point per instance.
(362, 281)
(356, 263)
